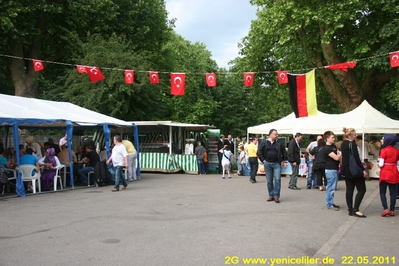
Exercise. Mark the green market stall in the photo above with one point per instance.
(167, 146)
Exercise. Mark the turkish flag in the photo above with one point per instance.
(38, 65)
(343, 66)
(394, 59)
(248, 79)
(129, 76)
(154, 78)
(81, 69)
(94, 74)
(177, 83)
(282, 77)
(211, 79)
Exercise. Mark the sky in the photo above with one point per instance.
(219, 24)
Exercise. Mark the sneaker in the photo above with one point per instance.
(115, 190)
(222, 177)
(123, 187)
(333, 208)
(385, 213)
(229, 176)
(391, 213)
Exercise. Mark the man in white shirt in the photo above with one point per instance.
(119, 160)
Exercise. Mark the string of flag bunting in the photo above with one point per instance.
(178, 79)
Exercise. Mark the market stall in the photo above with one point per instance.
(163, 145)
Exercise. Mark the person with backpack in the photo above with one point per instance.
(319, 164)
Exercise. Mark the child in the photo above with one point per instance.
(226, 160)
(389, 175)
(242, 161)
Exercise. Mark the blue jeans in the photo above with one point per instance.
(273, 170)
(201, 166)
(83, 173)
(239, 166)
(119, 177)
(331, 176)
(248, 170)
(311, 176)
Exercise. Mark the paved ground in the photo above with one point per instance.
(178, 219)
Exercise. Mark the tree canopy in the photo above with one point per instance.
(295, 35)
(43, 30)
(133, 34)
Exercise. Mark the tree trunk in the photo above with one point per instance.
(24, 77)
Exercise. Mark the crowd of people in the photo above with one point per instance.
(328, 161)
(50, 157)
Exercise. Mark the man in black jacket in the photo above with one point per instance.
(272, 153)
(294, 157)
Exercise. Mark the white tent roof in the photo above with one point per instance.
(35, 112)
(364, 119)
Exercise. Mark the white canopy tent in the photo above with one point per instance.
(36, 112)
(20, 112)
(364, 119)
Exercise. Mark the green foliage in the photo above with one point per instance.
(299, 35)
(43, 30)
(197, 105)
(111, 96)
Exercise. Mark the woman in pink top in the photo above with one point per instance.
(389, 174)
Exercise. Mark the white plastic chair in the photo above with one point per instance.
(58, 177)
(26, 172)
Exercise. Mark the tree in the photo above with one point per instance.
(138, 101)
(43, 29)
(197, 105)
(309, 34)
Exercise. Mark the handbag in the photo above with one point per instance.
(354, 168)
(205, 157)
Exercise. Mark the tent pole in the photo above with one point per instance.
(136, 142)
(170, 140)
(19, 188)
(69, 132)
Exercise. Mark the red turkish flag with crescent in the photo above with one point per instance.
(154, 77)
(394, 59)
(248, 79)
(81, 69)
(282, 77)
(129, 76)
(211, 79)
(95, 74)
(177, 83)
(38, 65)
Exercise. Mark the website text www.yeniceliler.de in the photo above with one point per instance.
(233, 260)
(306, 260)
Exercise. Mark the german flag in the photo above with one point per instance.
(303, 94)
